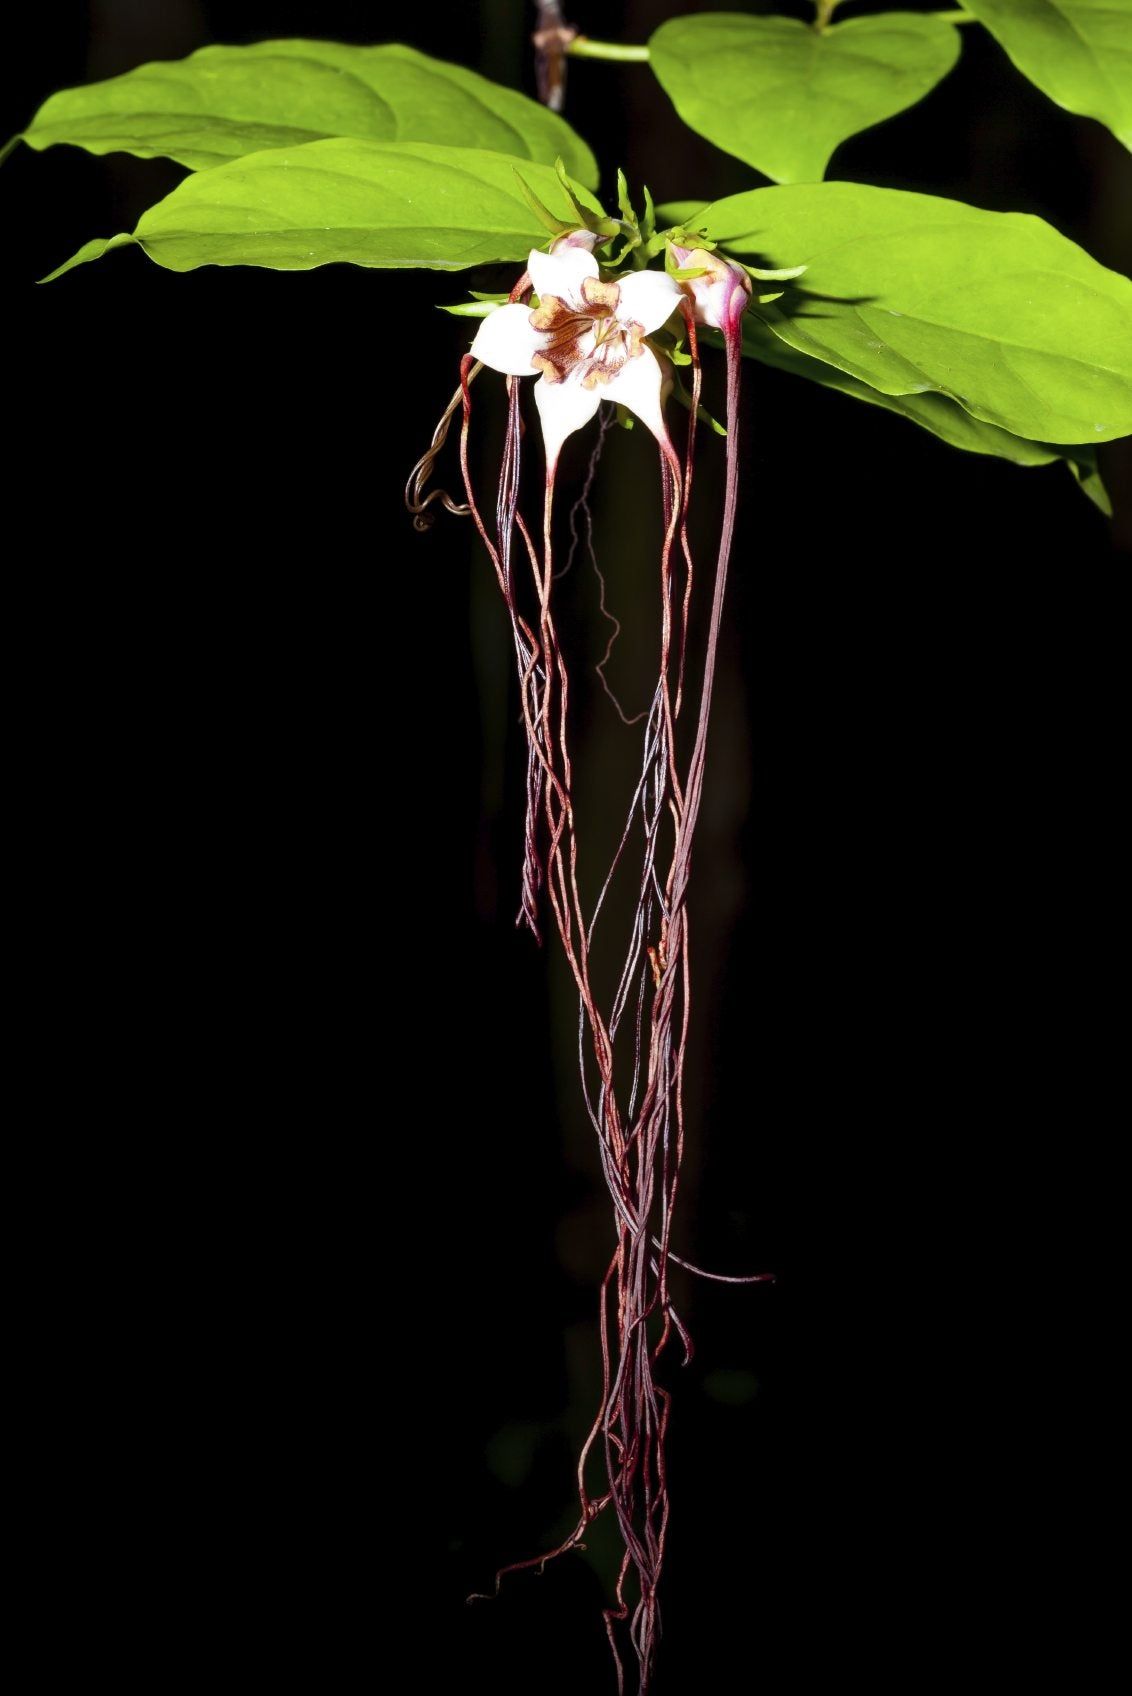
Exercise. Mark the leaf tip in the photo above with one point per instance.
(89, 251)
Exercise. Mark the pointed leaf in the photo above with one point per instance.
(782, 95)
(224, 102)
(90, 250)
(910, 293)
(1090, 481)
(1079, 52)
(361, 202)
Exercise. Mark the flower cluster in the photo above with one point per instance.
(586, 337)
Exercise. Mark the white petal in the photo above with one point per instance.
(562, 273)
(506, 342)
(637, 385)
(564, 408)
(648, 298)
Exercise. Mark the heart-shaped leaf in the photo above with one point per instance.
(1079, 52)
(932, 412)
(224, 102)
(361, 202)
(910, 293)
(782, 95)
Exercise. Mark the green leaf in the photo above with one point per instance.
(1079, 52)
(932, 412)
(782, 95)
(361, 202)
(90, 250)
(225, 102)
(911, 294)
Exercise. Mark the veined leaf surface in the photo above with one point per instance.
(372, 203)
(911, 294)
(224, 102)
(782, 96)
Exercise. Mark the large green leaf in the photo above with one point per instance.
(782, 95)
(931, 411)
(224, 102)
(910, 293)
(363, 202)
(1079, 52)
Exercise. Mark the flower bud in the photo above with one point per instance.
(576, 238)
(721, 294)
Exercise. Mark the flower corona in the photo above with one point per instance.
(586, 340)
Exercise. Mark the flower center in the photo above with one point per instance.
(590, 340)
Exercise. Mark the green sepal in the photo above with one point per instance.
(560, 172)
(648, 222)
(586, 219)
(556, 226)
(786, 275)
(471, 308)
(618, 259)
(683, 238)
(677, 352)
(623, 201)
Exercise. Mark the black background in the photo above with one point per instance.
(314, 1223)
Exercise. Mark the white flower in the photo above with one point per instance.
(586, 339)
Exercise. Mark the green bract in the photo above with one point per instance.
(782, 96)
(913, 294)
(1079, 52)
(224, 102)
(363, 202)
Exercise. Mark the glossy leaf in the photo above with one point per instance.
(912, 294)
(782, 95)
(225, 102)
(932, 412)
(1079, 52)
(361, 202)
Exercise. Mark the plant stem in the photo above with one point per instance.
(629, 53)
(583, 48)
